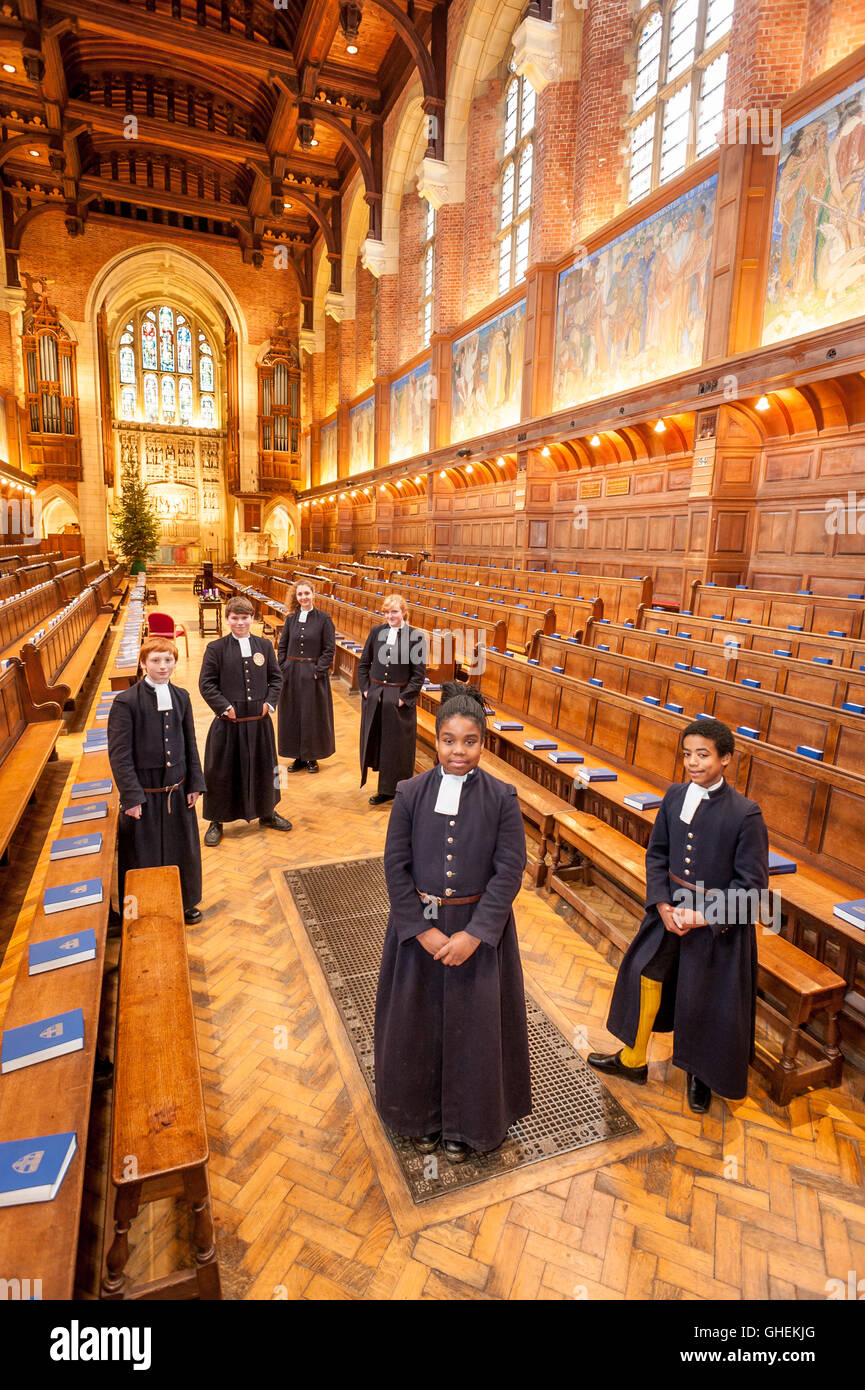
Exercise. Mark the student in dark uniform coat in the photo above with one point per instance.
(390, 675)
(305, 658)
(240, 681)
(154, 762)
(451, 1039)
(692, 967)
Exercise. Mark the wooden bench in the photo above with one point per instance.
(605, 883)
(42, 1239)
(819, 613)
(779, 719)
(804, 680)
(622, 598)
(571, 615)
(158, 1130)
(28, 734)
(67, 648)
(24, 614)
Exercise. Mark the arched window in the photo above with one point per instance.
(515, 203)
(428, 274)
(165, 372)
(681, 71)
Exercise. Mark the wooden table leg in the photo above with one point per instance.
(203, 1247)
(126, 1203)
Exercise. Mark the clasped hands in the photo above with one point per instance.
(680, 920)
(450, 950)
(135, 811)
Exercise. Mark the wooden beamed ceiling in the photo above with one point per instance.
(197, 115)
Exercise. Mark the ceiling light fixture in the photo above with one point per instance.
(764, 403)
(34, 154)
(501, 460)
(470, 468)
(545, 452)
(595, 440)
(442, 474)
(350, 16)
(660, 426)
(8, 67)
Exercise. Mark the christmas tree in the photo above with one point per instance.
(136, 526)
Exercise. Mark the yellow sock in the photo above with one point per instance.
(650, 1002)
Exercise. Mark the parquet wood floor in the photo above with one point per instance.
(750, 1201)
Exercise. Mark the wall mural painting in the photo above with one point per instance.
(634, 311)
(410, 398)
(488, 375)
(362, 434)
(327, 470)
(817, 252)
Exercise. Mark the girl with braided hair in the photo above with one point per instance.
(451, 1040)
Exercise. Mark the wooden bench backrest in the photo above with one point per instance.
(72, 562)
(822, 685)
(812, 810)
(30, 575)
(63, 635)
(622, 598)
(468, 632)
(814, 612)
(21, 613)
(13, 702)
(522, 621)
(571, 614)
(92, 571)
(805, 646)
(780, 719)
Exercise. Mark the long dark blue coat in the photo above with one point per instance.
(451, 1042)
(240, 765)
(710, 1003)
(305, 714)
(152, 748)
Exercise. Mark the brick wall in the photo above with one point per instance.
(766, 45)
(553, 189)
(365, 328)
(607, 73)
(834, 29)
(331, 364)
(412, 224)
(481, 218)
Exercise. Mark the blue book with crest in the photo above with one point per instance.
(597, 774)
(40, 1041)
(31, 1170)
(779, 865)
(82, 790)
(852, 912)
(89, 810)
(536, 745)
(75, 845)
(60, 951)
(69, 895)
(565, 756)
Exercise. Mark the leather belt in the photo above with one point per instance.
(684, 882)
(300, 658)
(373, 681)
(246, 718)
(167, 790)
(447, 902)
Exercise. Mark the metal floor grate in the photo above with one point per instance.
(344, 909)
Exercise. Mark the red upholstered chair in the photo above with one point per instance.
(163, 625)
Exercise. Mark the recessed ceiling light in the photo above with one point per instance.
(8, 67)
(660, 426)
(442, 474)
(469, 468)
(545, 452)
(286, 206)
(595, 440)
(763, 403)
(313, 142)
(417, 480)
(34, 154)
(501, 460)
(351, 48)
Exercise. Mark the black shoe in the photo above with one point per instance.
(699, 1095)
(312, 766)
(455, 1152)
(380, 798)
(426, 1143)
(298, 765)
(214, 833)
(192, 915)
(611, 1065)
(275, 822)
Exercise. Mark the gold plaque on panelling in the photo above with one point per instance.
(703, 468)
(591, 487)
(618, 487)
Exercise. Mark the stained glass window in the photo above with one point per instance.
(165, 369)
(169, 409)
(515, 197)
(151, 398)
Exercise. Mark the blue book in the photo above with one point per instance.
(747, 621)
(573, 640)
(747, 731)
(604, 620)
(835, 632)
(822, 660)
(686, 612)
(90, 810)
(699, 670)
(643, 801)
(538, 745)
(566, 756)
(779, 865)
(597, 774)
(593, 680)
(431, 686)
(741, 586)
(628, 624)
(559, 670)
(76, 845)
(803, 591)
(602, 647)
(856, 595)
(781, 651)
(795, 627)
(507, 725)
(852, 708)
(108, 694)
(60, 951)
(31, 1170)
(684, 634)
(808, 752)
(672, 706)
(96, 739)
(651, 700)
(718, 615)
(852, 912)
(68, 895)
(84, 789)
(681, 666)
(532, 661)
(664, 631)
(751, 684)
(40, 1041)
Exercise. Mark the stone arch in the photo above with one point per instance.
(282, 524)
(57, 507)
(355, 230)
(403, 158)
(482, 45)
